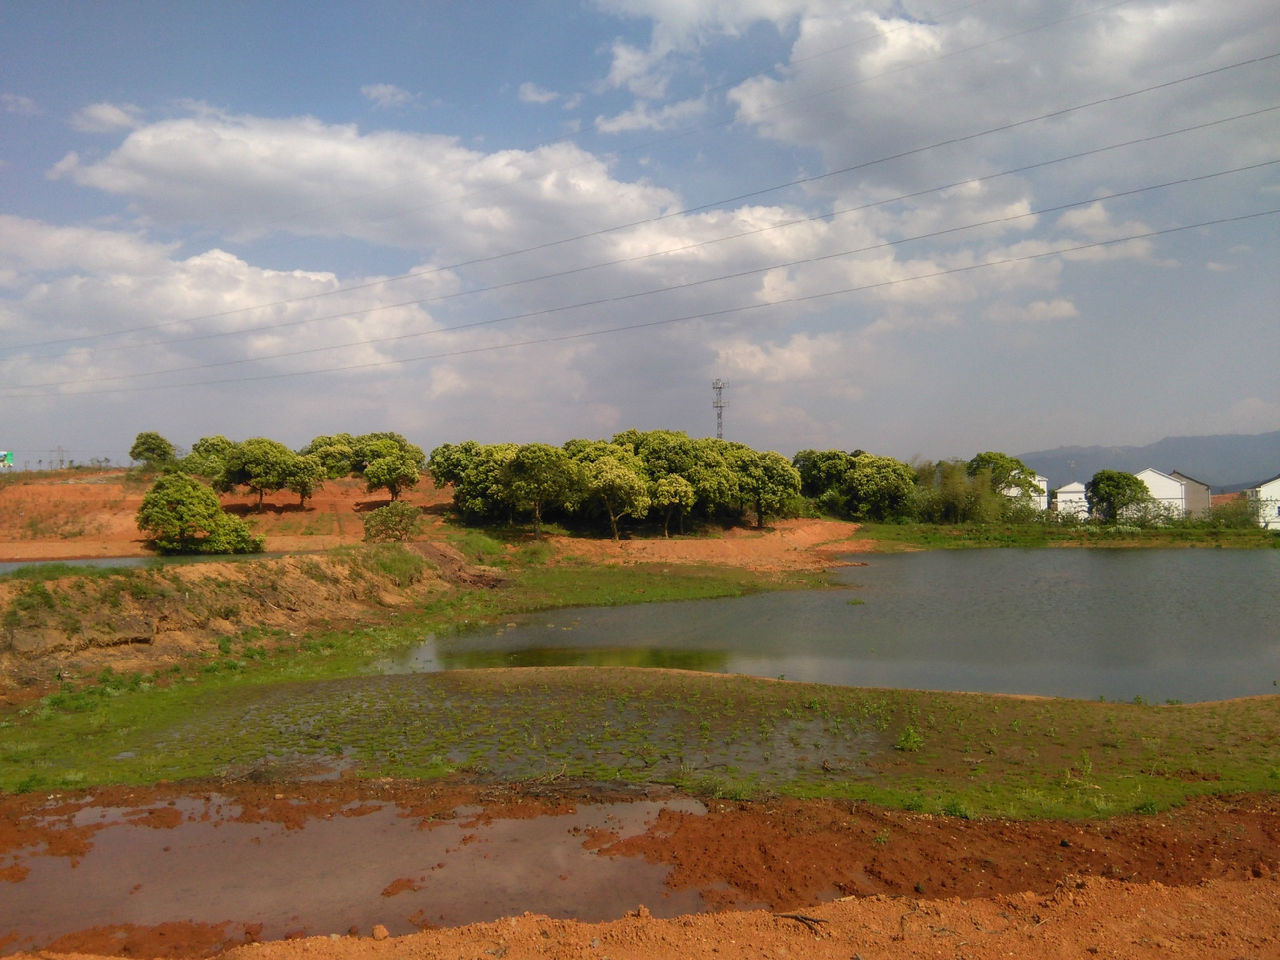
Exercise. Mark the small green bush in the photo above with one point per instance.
(396, 522)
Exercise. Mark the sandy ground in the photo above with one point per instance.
(1201, 881)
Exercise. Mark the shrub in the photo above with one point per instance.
(397, 521)
(182, 515)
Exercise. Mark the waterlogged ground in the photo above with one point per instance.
(188, 870)
(721, 736)
(543, 724)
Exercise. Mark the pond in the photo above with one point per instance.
(1185, 625)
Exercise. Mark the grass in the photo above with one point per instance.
(728, 736)
(898, 536)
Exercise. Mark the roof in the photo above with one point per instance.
(1182, 476)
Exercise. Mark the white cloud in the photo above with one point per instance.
(1035, 312)
(386, 95)
(644, 117)
(532, 93)
(106, 117)
(15, 103)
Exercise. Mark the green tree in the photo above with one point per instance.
(181, 515)
(613, 478)
(258, 464)
(151, 450)
(480, 477)
(673, 494)
(877, 488)
(336, 454)
(540, 475)
(821, 470)
(304, 474)
(1110, 493)
(715, 482)
(208, 456)
(1004, 473)
(947, 492)
(387, 461)
(766, 479)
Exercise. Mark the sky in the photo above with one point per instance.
(923, 228)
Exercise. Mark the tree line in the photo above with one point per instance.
(182, 514)
(659, 476)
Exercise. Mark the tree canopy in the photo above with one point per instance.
(152, 450)
(1110, 493)
(179, 514)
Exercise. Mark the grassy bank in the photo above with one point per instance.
(891, 537)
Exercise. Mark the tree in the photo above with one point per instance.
(1110, 493)
(612, 477)
(541, 475)
(181, 515)
(335, 454)
(877, 488)
(387, 461)
(479, 475)
(152, 450)
(767, 480)
(821, 470)
(208, 456)
(1004, 473)
(259, 464)
(304, 474)
(715, 483)
(946, 492)
(673, 494)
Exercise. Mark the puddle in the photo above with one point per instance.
(368, 863)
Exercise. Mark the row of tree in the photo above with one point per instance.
(663, 475)
(385, 461)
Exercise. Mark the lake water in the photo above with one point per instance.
(1188, 625)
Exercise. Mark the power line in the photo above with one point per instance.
(827, 217)
(602, 301)
(726, 311)
(799, 181)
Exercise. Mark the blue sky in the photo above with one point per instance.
(921, 228)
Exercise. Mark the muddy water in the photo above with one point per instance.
(368, 863)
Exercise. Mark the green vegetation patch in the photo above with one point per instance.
(732, 736)
(891, 537)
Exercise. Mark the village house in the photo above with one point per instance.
(1039, 494)
(1069, 501)
(1199, 498)
(1265, 498)
(1169, 492)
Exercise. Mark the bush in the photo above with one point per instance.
(182, 515)
(397, 521)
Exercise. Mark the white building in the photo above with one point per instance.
(1265, 498)
(1039, 493)
(1169, 492)
(1069, 501)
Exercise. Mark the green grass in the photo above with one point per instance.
(730, 736)
(897, 536)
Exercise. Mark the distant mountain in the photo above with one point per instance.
(1225, 462)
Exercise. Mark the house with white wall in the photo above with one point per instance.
(1265, 498)
(1039, 493)
(1169, 492)
(1198, 493)
(1069, 501)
